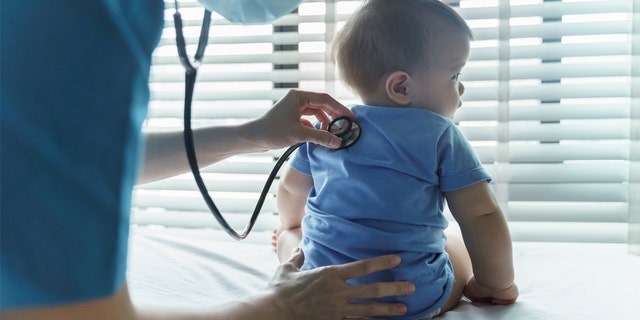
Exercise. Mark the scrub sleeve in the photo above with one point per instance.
(74, 93)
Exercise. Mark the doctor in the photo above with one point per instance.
(74, 93)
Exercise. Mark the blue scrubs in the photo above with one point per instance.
(74, 94)
(384, 195)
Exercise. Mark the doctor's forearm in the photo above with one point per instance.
(165, 155)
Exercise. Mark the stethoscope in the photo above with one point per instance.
(346, 129)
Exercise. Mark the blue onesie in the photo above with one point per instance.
(384, 195)
(74, 94)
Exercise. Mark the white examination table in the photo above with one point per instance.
(198, 268)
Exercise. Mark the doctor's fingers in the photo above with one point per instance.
(374, 290)
(381, 289)
(366, 266)
(377, 290)
(321, 137)
(308, 101)
(320, 115)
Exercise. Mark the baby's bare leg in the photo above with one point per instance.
(287, 240)
(462, 269)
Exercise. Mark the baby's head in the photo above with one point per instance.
(385, 37)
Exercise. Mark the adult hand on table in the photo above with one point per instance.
(324, 294)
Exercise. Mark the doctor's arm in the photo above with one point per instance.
(281, 126)
(316, 294)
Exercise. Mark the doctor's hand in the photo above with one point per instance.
(323, 293)
(284, 124)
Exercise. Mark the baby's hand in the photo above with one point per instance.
(479, 293)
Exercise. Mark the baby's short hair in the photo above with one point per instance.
(384, 36)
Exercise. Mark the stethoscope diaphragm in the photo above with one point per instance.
(346, 129)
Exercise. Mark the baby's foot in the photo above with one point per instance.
(274, 238)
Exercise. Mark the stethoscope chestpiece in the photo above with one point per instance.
(346, 129)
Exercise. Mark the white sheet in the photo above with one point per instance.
(198, 268)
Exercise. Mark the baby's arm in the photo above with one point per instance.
(293, 190)
(486, 236)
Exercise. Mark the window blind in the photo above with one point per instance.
(634, 178)
(550, 87)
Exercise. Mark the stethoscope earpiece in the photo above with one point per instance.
(346, 129)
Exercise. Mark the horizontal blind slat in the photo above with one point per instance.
(565, 211)
(589, 130)
(603, 192)
(557, 30)
(549, 9)
(548, 71)
(585, 130)
(203, 109)
(174, 93)
(192, 201)
(547, 112)
(556, 152)
(567, 91)
(553, 51)
(186, 219)
(568, 172)
(568, 231)
(552, 91)
(176, 76)
(215, 182)
(602, 150)
(281, 57)
(274, 38)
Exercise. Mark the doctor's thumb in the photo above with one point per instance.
(297, 257)
(324, 138)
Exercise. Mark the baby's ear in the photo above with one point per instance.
(397, 87)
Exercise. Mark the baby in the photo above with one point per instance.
(386, 194)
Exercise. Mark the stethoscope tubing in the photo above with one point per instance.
(191, 72)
